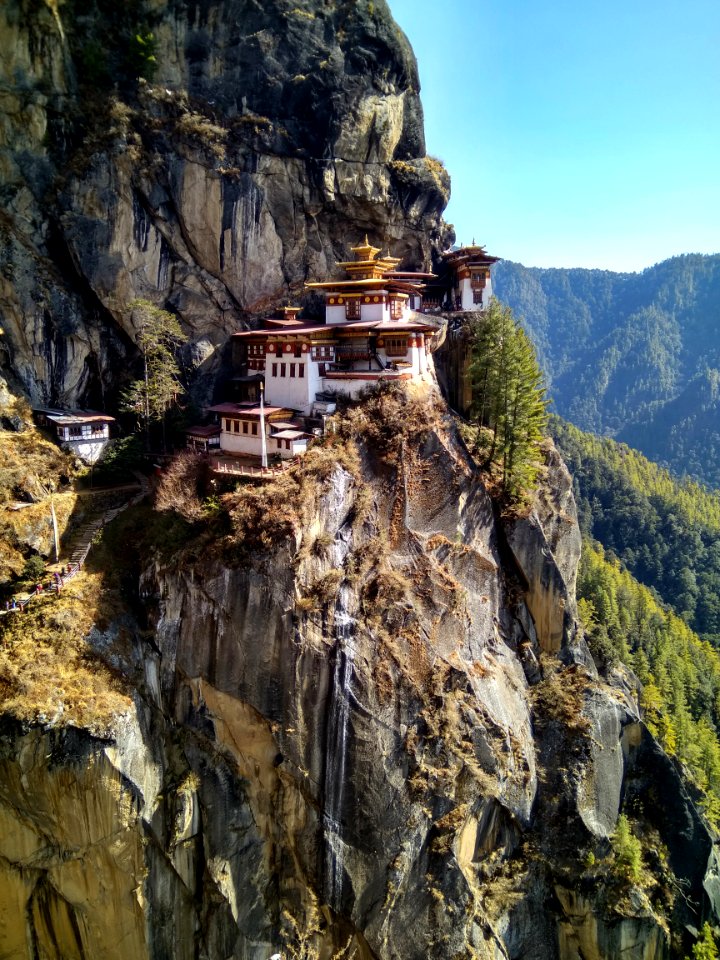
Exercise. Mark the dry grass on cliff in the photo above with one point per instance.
(265, 515)
(30, 465)
(393, 418)
(48, 671)
(560, 696)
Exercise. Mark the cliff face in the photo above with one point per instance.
(348, 713)
(359, 730)
(268, 139)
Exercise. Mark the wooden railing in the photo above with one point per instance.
(18, 603)
(249, 470)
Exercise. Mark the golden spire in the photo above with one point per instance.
(365, 251)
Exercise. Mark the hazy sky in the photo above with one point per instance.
(576, 133)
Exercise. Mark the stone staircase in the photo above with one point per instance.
(107, 505)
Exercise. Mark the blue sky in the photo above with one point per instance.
(577, 134)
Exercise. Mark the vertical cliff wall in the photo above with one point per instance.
(364, 726)
(208, 156)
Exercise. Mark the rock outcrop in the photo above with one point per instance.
(270, 137)
(350, 738)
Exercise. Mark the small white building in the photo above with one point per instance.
(83, 432)
(242, 426)
(470, 282)
(203, 439)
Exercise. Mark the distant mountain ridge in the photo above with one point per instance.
(631, 355)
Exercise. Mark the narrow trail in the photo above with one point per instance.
(81, 543)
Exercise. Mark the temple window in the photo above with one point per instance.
(396, 309)
(245, 427)
(292, 369)
(298, 349)
(274, 369)
(283, 369)
(301, 370)
(352, 309)
(396, 346)
(254, 429)
(236, 426)
(477, 296)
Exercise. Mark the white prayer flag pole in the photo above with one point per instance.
(262, 426)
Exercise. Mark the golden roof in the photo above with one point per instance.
(366, 260)
(365, 251)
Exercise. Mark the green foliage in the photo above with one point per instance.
(121, 457)
(628, 851)
(705, 948)
(158, 337)
(34, 568)
(680, 673)
(142, 54)
(508, 399)
(636, 356)
(112, 44)
(667, 532)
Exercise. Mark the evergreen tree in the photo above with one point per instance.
(508, 398)
(628, 850)
(704, 948)
(158, 337)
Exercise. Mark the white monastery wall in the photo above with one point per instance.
(241, 443)
(296, 392)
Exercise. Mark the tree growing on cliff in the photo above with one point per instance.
(705, 948)
(509, 403)
(628, 851)
(159, 338)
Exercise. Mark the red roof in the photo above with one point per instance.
(332, 328)
(408, 275)
(283, 323)
(292, 330)
(70, 417)
(384, 326)
(211, 431)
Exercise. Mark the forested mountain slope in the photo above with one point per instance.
(649, 579)
(667, 533)
(632, 355)
(679, 673)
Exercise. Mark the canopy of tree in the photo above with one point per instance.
(630, 355)
(665, 531)
(508, 399)
(158, 338)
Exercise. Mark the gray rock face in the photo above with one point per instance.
(271, 138)
(334, 747)
(546, 547)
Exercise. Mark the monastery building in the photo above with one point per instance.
(374, 331)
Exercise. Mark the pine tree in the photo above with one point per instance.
(508, 398)
(628, 851)
(704, 948)
(158, 337)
